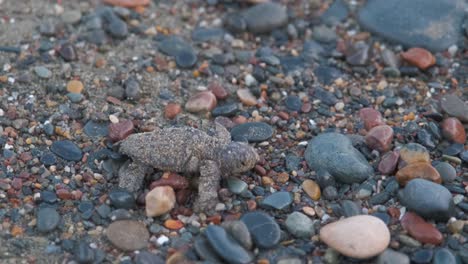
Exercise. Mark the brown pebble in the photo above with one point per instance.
(380, 138)
(419, 57)
(201, 102)
(312, 189)
(173, 224)
(246, 97)
(453, 130)
(218, 90)
(121, 130)
(306, 107)
(75, 86)
(174, 180)
(421, 230)
(128, 235)
(414, 152)
(172, 110)
(371, 118)
(418, 170)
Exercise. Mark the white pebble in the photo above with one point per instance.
(162, 240)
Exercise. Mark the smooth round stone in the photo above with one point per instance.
(360, 237)
(453, 130)
(293, 103)
(371, 118)
(444, 256)
(67, 150)
(236, 185)
(350, 208)
(337, 12)
(186, 59)
(146, 257)
(419, 57)
(128, 235)
(252, 132)
(264, 230)
(278, 200)
(335, 153)
(389, 162)
(83, 253)
(414, 152)
(47, 219)
(173, 45)
(446, 171)
(48, 197)
(121, 199)
(325, 96)
(239, 231)
(159, 201)
(205, 251)
(312, 189)
(235, 23)
(454, 149)
(48, 158)
(265, 17)
(421, 170)
(132, 89)
(42, 72)
(454, 106)
(300, 225)
(427, 199)
(228, 110)
(121, 130)
(396, 21)
(116, 26)
(201, 102)
(246, 97)
(421, 230)
(226, 247)
(422, 256)
(75, 97)
(390, 256)
(327, 75)
(96, 129)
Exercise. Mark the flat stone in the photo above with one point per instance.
(159, 201)
(335, 153)
(422, 256)
(67, 150)
(71, 16)
(265, 17)
(431, 24)
(293, 103)
(201, 102)
(47, 219)
(172, 110)
(252, 132)
(427, 199)
(264, 230)
(390, 256)
(312, 189)
(203, 34)
(236, 185)
(173, 45)
(380, 138)
(453, 130)
(421, 170)
(444, 256)
(96, 129)
(204, 250)
(228, 110)
(121, 198)
(121, 130)
(360, 237)
(186, 59)
(226, 246)
(145, 257)
(300, 225)
(421, 230)
(278, 200)
(419, 57)
(350, 208)
(128, 235)
(414, 152)
(43, 72)
(447, 172)
(338, 11)
(240, 232)
(455, 107)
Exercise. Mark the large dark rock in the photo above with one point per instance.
(431, 24)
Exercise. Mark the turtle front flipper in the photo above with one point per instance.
(132, 174)
(208, 185)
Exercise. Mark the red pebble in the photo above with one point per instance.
(453, 130)
(380, 138)
(174, 180)
(421, 230)
(121, 130)
(389, 162)
(371, 118)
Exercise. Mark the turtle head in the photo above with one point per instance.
(237, 157)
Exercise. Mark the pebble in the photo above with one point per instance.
(453, 130)
(300, 225)
(67, 150)
(159, 201)
(278, 200)
(252, 132)
(43, 72)
(246, 97)
(227, 110)
(71, 16)
(421, 230)
(132, 89)
(201, 102)
(421, 170)
(240, 232)
(360, 237)
(444, 256)
(172, 110)
(74, 97)
(127, 3)
(67, 52)
(47, 219)
(293, 103)
(327, 75)
(145, 257)
(414, 152)
(121, 130)
(128, 235)
(235, 23)
(205, 251)
(96, 129)
(83, 253)
(350, 208)
(48, 158)
(186, 59)
(265, 17)
(226, 247)
(116, 27)
(218, 90)
(312, 189)
(389, 162)
(337, 12)
(447, 172)
(396, 21)
(419, 57)
(455, 107)
(390, 256)
(236, 185)
(380, 138)
(335, 153)
(75, 86)
(427, 199)
(174, 180)
(203, 34)
(121, 199)
(422, 256)
(174, 45)
(264, 230)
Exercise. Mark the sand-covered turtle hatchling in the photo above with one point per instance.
(187, 150)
